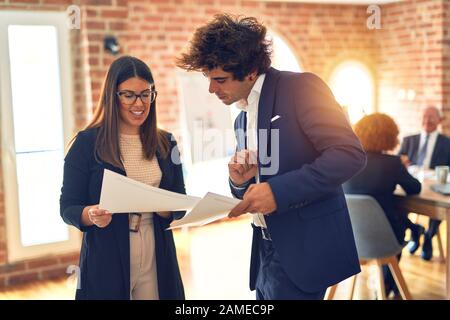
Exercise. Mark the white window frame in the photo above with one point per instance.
(16, 251)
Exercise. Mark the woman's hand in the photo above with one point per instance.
(405, 160)
(92, 215)
(165, 214)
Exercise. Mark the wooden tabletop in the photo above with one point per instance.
(427, 202)
(427, 195)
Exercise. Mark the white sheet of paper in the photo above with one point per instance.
(211, 208)
(121, 194)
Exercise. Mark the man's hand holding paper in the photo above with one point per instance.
(211, 208)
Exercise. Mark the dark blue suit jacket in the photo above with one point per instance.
(441, 152)
(379, 179)
(105, 252)
(318, 151)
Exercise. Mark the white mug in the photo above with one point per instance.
(442, 173)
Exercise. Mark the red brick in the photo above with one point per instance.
(173, 28)
(22, 278)
(95, 25)
(227, 2)
(107, 60)
(114, 14)
(134, 37)
(43, 262)
(250, 4)
(153, 18)
(61, 2)
(94, 48)
(96, 85)
(92, 13)
(95, 37)
(58, 272)
(209, 12)
(118, 26)
(274, 5)
(96, 2)
(204, 2)
(93, 61)
(151, 27)
(180, 20)
(166, 9)
(122, 3)
(2, 258)
(12, 267)
(24, 1)
(70, 258)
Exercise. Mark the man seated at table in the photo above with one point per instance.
(426, 150)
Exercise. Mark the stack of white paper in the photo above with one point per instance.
(211, 208)
(121, 194)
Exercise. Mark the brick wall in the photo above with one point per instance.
(321, 36)
(37, 269)
(445, 44)
(157, 31)
(410, 58)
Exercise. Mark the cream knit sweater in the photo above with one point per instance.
(136, 165)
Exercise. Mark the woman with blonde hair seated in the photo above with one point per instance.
(378, 134)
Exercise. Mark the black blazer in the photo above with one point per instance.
(441, 152)
(379, 180)
(105, 252)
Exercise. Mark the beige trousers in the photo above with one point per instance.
(143, 276)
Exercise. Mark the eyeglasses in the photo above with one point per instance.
(128, 97)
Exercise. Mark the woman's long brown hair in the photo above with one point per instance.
(106, 116)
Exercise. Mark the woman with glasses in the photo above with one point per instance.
(123, 256)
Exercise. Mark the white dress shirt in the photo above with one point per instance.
(430, 147)
(251, 107)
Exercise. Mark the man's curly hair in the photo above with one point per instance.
(237, 45)
(377, 132)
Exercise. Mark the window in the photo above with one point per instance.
(352, 85)
(36, 125)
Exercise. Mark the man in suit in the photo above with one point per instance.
(427, 150)
(294, 150)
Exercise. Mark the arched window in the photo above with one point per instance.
(283, 57)
(352, 86)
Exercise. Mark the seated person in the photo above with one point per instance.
(427, 150)
(378, 134)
